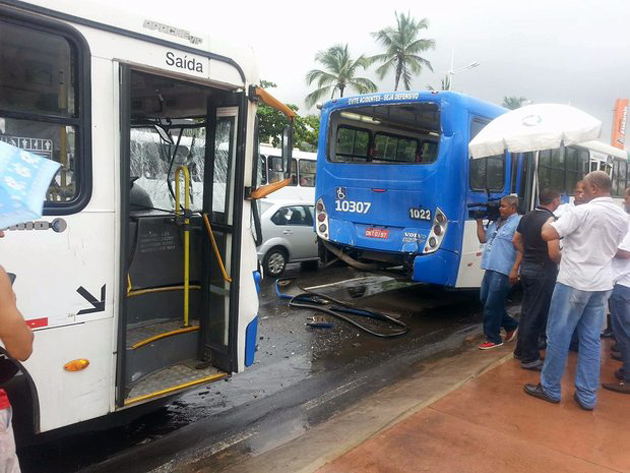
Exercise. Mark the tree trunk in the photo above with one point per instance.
(341, 89)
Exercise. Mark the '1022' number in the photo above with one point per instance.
(352, 206)
(419, 214)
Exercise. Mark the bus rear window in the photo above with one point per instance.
(352, 144)
(385, 134)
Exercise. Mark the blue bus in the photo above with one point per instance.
(396, 187)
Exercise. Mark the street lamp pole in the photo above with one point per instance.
(451, 72)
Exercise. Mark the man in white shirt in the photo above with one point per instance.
(592, 233)
(578, 199)
(620, 308)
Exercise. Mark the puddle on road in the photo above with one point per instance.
(288, 353)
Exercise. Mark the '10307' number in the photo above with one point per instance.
(352, 206)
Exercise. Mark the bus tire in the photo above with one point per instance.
(275, 261)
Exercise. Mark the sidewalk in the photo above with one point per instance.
(490, 424)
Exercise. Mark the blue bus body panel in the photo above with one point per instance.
(391, 190)
(436, 268)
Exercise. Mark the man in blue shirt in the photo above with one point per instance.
(501, 262)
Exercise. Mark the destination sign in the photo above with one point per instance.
(384, 97)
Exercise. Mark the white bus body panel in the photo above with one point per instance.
(470, 274)
(86, 254)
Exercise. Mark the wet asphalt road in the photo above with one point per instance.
(301, 377)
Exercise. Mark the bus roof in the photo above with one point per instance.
(155, 26)
(388, 98)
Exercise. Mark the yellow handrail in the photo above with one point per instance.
(154, 290)
(216, 249)
(178, 173)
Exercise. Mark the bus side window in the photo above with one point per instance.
(262, 173)
(619, 177)
(41, 83)
(487, 173)
(293, 172)
(307, 173)
(274, 166)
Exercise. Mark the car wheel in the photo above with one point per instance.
(275, 262)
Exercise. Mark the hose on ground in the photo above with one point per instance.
(339, 309)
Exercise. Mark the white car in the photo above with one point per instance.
(288, 235)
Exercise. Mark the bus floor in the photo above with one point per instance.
(489, 424)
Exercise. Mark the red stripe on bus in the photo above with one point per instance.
(35, 323)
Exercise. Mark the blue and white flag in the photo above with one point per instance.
(24, 180)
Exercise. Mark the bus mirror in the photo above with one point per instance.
(287, 150)
(165, 135)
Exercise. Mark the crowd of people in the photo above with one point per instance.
(573, 260)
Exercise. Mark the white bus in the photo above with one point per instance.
(303, 167)
(140, 279)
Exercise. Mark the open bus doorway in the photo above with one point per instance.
(177, 168)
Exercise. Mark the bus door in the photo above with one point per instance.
(523, 182)
(178, 150)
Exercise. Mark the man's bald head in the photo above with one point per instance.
(597, 184)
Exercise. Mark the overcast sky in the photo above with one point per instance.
(558, 51)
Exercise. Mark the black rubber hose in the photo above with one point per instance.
(322, 303)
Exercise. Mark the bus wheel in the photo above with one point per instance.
(275, 261)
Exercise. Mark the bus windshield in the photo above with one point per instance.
(385, 134)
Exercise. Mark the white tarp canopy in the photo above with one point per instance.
(535, 127)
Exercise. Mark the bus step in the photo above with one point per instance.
(144, 334)
(172, 379)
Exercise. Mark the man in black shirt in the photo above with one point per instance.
(538, 277)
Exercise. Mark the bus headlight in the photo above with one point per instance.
(322, 219)
(438, 230)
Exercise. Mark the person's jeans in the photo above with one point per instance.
(538, 283)
(493, 294)
(620, 321)
(571, 308)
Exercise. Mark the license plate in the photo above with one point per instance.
(376, 233)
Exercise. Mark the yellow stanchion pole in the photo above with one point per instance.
(178, 172)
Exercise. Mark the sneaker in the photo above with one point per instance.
(510, 335)
(490, 345)
(533, 365)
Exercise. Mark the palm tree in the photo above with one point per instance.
(445, 84)
(403, 48)
(512, 102)
(339, 72)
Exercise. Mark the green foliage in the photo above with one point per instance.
(271, 122)
(306, 132)
(339, 72)
(513, 102)
(403, 47)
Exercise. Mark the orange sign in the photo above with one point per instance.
(619, 123)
